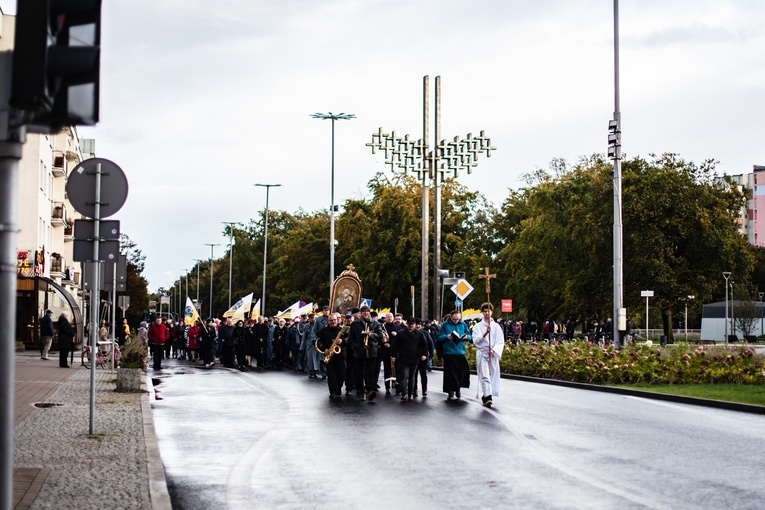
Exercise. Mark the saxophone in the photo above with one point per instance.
(335, 347)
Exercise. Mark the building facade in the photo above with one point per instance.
(48, 278)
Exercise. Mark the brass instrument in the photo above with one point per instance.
(335, 347)
(365, 334)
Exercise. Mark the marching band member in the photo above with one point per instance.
(408, 350)
(364, 339)
(336, 366)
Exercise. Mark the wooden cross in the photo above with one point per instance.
(488, 278)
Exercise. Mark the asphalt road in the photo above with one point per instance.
(275, 440)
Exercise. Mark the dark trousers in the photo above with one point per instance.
(366, 374)
(335, 376)
(63, 353)
(156, 352)
(208, 351)
(241, 355)
(228, 354)
(262, 351)
(385, 360)
(422, 370)
(406, 376)
(350, 372)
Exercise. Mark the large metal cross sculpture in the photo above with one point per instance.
(431, 164)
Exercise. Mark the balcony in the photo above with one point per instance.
(57, 266)
(58, 215)
(59, 164)
(69, 233)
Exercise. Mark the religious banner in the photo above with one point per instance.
(346, 291)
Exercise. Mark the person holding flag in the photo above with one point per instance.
(489, 342)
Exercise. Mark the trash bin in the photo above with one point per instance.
(663, 340)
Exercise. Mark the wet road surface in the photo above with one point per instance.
(275, 440)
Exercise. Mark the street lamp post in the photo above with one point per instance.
(212, 250)
(230, 255)
(732, 319)
(726, 275)
(265, 246)
(333, 117)
(199, 262)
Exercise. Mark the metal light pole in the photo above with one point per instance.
(615, 152)
(230, 255)
(333, 117)
(186, 271)
(212, 250)
(265, 246)
(199, 262)
(732, 319)
(726, 275)
(686, 317)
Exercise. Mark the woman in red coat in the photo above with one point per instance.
(193, 347)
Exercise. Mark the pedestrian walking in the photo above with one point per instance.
(489, 343)
(65, 339)
(452, 336)
(46, 334)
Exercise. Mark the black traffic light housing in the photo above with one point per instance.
(56, 63)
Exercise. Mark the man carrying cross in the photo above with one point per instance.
(489, 343)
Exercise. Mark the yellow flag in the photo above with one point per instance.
(191, 313)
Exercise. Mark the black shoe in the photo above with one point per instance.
(450, 396)
(372, 395)
(457, 394)
(387, 392)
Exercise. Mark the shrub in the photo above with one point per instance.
(134, 355)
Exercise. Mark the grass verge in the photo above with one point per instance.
(741, 393)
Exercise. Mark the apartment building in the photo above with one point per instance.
(48, 278)
(749, 217)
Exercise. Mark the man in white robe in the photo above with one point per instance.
(489, 342)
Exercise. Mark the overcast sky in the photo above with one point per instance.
(200, 99)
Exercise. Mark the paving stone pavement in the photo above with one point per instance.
(58, 464)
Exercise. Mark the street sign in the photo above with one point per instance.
(646, 293)
(108, 251)
(462, 289)
(507, 306)
(457, 303)
(107, 229)
(81, 187)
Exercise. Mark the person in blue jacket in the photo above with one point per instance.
(453, 335)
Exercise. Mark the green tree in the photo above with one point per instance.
(137, 287)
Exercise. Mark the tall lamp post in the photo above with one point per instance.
(686, 316)
(265, 246)
(199, 262)
(333, 117)
(212, 250)
(726, 275)
(230, 225)
(615, 153)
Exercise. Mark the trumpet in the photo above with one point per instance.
(335, 347)
(365, 334)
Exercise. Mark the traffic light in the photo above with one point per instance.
(614, 139)
(56, 63)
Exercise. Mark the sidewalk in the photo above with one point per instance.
(57, 464)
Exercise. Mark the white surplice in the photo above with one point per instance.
(487, 367)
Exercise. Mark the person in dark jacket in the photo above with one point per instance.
(226, 337)
(336, 365)
(207, 337)
(409, 349)
(46, 334)
(240, 339)
(364, 338)
(65, 339)
(423, 365)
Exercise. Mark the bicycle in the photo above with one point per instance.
(104, 353)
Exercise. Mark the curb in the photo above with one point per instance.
(705, 402)
(158, 493)
(680, 399)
